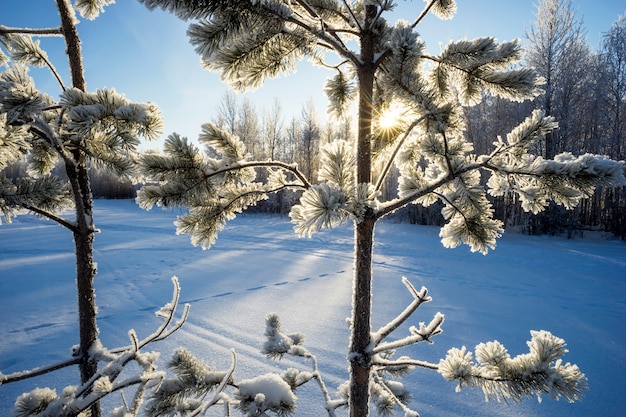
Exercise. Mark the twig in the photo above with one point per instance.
(433, 328)
(399, 144)
(418, 299)
(42, 370)
(423, 14)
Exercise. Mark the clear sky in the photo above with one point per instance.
(146, 55)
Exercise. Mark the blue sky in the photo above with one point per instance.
(146, 55)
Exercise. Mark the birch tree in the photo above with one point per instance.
(613, 92)
(556, 49)
(78, 130)
(409, 110)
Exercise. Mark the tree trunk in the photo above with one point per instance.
(76, 170)
(360, 349)
(85, 274)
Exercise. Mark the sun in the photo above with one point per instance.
(390, 117)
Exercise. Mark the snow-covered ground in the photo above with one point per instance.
(574, 288)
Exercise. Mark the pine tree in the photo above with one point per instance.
(389, 71)
(79, 130)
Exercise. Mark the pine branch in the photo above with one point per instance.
(81, 404)
(354, 18)
(501, 377)
(404, 362)
(268, 164)
(4, 30)
(180, 192)
(217, 397)
(42, 370)
(24, 50)
(72, 226)
(446, 153)
(423, 13)
(393, 205)
(397, 401)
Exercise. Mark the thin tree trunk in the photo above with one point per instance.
(360, 349)
(85, 275)
(76, 170)
(360, 360)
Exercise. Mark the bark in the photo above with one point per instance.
(360, 358)
(76, 169)
(360, 349)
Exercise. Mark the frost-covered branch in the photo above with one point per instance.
(165, 329)
(424, 12)
(74, 400)
(214, 189)
(541, 371)
(24, 50)
(418, 299)
(403, 363)
(278, 344)
(354, 20)
(305, 184)
(422, 334)
(389, 394)
(5, 30)
(42, 370)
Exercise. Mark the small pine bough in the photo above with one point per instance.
(196, 387)
(75, 400)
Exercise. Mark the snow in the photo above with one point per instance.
(573, 288)
(266, 392)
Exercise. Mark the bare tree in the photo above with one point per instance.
(227, 113)
(310, 142)
(555, 45)
(273, 130)
(248, 128)
(613, 83)
(293, 136)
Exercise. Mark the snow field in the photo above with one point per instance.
(573, 288)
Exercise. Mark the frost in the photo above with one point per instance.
(337, 164)
(365, 198)
(321, 206)
(34, 402)
(501, 377)
(103, 385)
(492, 354)
(545, 346)
(457, 366)
(98, 352)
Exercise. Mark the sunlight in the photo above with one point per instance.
(390, 116)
